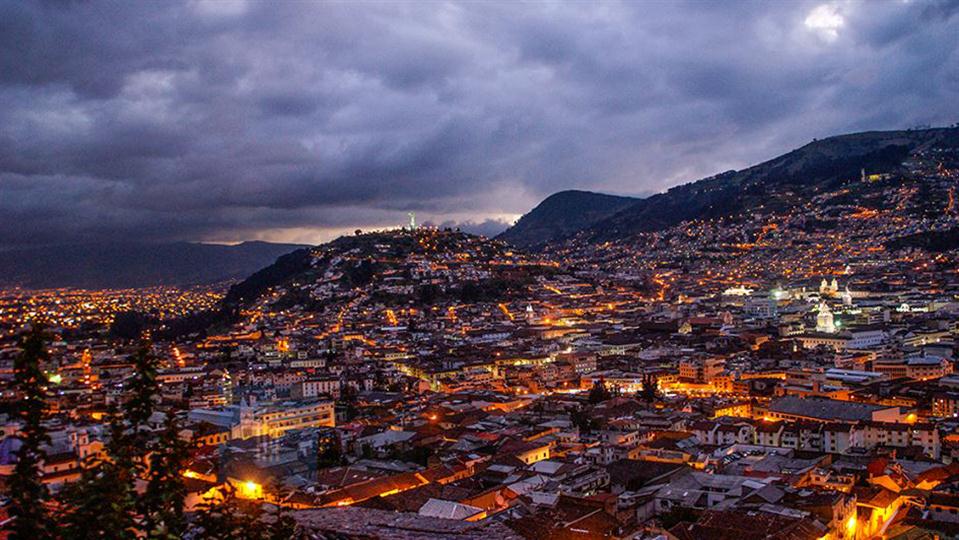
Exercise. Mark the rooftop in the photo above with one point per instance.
(824, 409)
(396, 525)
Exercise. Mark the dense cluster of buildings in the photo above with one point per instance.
(75, 309)
(763, 377)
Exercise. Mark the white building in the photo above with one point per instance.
(312, 388)
(824, 320)
(272, 420)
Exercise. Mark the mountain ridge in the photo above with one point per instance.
(563, 213)
(779, 181)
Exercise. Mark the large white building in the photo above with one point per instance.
(246, 421)
(865, 338)
(312, 388)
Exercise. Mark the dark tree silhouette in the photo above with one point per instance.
(329, 451)
(581, 419)
(128, 325)
(28, 494)
(599, 393)
(162, 503)
(650, 391)
(103, 503)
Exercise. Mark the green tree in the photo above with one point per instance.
(162, 502)
(28, 494)
(130, 436)
(103, 504)
(98, 506)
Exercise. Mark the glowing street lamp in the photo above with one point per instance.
(250, 490)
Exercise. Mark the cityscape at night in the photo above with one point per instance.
(423, 270)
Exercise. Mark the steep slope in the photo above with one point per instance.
(562, 214)
(130, 264)
(379, 260)
(780, 183)
(396, 269)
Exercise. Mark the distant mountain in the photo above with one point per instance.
(562, 214)
(778, 184)
(132, 264)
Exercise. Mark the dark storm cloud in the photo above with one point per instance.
(227, 120)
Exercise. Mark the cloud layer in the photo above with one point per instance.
(225, 120)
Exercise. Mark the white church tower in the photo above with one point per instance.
(824, 321)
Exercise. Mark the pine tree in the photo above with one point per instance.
(163, 501)
(28, 494)
(130, 439)
(99, 505)
(103, 503)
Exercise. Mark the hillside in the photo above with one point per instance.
(562, 214)
(131, 265)
(378, 263)
(776, 185)
(792, 218)
(399, 270)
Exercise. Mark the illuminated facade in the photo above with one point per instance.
(824, 320)
(273, 420)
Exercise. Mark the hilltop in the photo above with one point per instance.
(779, 184)
(562, 214)
(399, 269)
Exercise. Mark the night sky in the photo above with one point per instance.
(293, 121)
